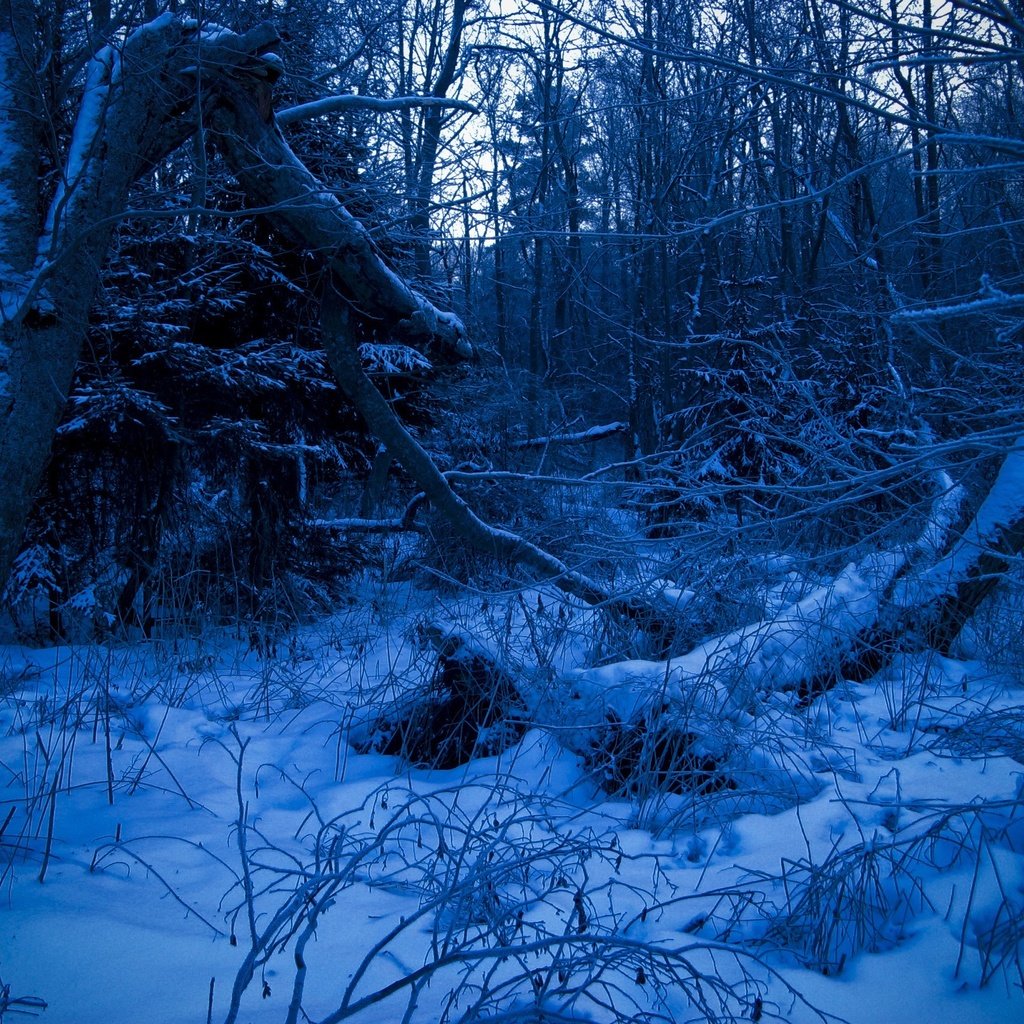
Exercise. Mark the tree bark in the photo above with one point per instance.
(305, 212)
(433, 120)
(19, 137)
(139, 105)
(136, 108)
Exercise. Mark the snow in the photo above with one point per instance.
(392, 359)
(354, 101)
(723, 675)
(1000, 510)
(141, 895)
(96, 97)
(595, 433)
(192, 829)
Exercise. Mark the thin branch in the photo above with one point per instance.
(350, 101)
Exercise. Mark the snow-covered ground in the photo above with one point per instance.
(178, 815)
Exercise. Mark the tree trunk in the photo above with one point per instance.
(139, 105)
(306, 212)
(343, 354)
(136, 108)
(433, 119)
(373, 491)
(929, 608)
(19, 138)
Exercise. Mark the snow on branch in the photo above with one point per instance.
(303, 209)
(989, 300)
(993, 533)
(378, 104)
(581, 437)
(727, 675)
(393, 359)
(357, 525)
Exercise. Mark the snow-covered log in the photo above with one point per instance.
(929, 607)
(693, 722)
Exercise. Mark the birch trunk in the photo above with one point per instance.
(139, 104)
(137, 107)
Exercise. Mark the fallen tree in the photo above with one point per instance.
(930, 607)
(725, 718)
(723, 722)
(721, 716)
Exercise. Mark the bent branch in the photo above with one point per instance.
(377, 104)
(313, 218)
(343, 354)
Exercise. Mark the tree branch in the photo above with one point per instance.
(343, 355)
(306, 212)
(348, 101)
(580, 437)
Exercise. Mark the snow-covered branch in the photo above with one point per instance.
(356, 525)
(377, 104)
(848, 629)
(588, 436)
(307, 212)
(989, 300)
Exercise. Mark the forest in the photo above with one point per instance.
(513, 511)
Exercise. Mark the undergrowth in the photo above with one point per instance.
(524, 907)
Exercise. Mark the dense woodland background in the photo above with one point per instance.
(774, 248)
(544, 478)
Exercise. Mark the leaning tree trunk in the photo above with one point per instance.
(19, 183)
(137, 107)
(343, 354)
(19, 135)
(930, 607)
(310, 215)
(139, 104)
